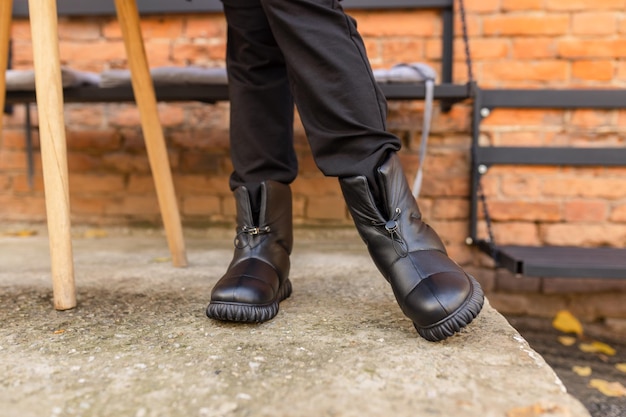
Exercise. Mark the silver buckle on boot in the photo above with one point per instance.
(248, 231)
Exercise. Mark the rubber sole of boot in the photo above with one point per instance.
(457, 320)
(248, 313)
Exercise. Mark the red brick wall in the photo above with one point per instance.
(514, 43)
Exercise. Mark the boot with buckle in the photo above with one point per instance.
(430, 288)
(257, 279)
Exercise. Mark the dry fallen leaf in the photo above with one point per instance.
(597, 347)
(20, 233)
(565, 322)
(610, 389)
(582, 370)
(621, 367)
(566, 340)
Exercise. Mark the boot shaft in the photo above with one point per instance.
(270, 238)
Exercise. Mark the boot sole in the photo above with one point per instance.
(457, 320)
(248, 313)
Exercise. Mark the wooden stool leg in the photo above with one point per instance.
(6, 9)
(128, 17)
(44, 28)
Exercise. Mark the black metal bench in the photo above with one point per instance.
(544, 261)
(446, 90)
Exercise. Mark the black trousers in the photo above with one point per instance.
(307, 52)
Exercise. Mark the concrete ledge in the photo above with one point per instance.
(140, 345)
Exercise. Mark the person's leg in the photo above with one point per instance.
(342, 109)
(264, 161)
(261, 113)
(343, 113)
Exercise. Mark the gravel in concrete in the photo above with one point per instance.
(140, 345)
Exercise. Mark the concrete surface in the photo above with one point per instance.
(140, 345)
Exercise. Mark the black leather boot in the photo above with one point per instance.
(257, 277)
(431, 289)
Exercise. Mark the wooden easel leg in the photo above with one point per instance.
(44, 28)
(6, 9)
(128, 17)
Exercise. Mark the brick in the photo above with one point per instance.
(585, 210)
(518, 138)
(517, 5)
(482, 6)
(81, 115)
(21, 184)
(584, 234)
(592, 48)
(126, 163)
(28, 207)
(326, 208)
(520, 186)
(201, 205)
(618, 214)
(402, 50)
(22, 53)
(393, 23)
(158, 52)
(450, 209)
(5, 182)
(534, 48)
(200, 139)
(516, 233)
(483, 48)
(145, 207)
(544, 71)
(610, 188)
(316, 187)
(530, 117)
(95, 183)
(582, 285)
(199, 163)
(591, 119)
(593, 70)
(140, 184)
(14, 139)
(568, 5)
(93, 140)
(451, 232)
(124, 115)
(12, 160)
(92, 206)
(205, 26)
(74, 51)
(197, 53)
(199, 183)
(594, 23)
(526, 24)
(171, 115)
(151, 27)
(82, 162)
(524, 211)
(85, 29)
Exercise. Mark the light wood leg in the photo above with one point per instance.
(44, 28)
(6, 9)
(128, 17)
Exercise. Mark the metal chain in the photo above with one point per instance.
(483, 202)
(470, 78)
(468, 55)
